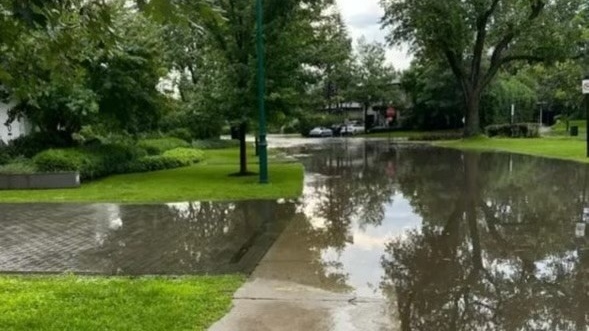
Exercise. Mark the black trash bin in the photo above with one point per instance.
(574, 131)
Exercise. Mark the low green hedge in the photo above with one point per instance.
(517, 130)
(160, 145)
(185, 155)
(215, 144)
(155, 162)
(103, 160)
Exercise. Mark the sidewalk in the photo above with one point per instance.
(286, 292)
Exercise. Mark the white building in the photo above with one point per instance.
(13, 130)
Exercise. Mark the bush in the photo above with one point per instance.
(30, 145)
(154, 163)
(518, 130)
(181, 133)
(185, 155)
(215, 144)
(91, 162)
(60, 160)
(21, 167)
(161, 145)
(4, 156)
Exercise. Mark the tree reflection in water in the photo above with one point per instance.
(497, 250)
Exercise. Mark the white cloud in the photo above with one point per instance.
(363, 19)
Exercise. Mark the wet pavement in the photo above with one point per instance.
(112, 239)
(385, 237)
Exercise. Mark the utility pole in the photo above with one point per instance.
(585, 88)
(263, 144)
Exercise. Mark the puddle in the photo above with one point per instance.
(452, 240)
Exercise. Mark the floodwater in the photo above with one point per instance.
(450, 240)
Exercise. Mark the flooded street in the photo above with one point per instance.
(385, 237)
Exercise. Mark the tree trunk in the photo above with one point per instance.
(473, 123)
(471, 179)
(242, 149)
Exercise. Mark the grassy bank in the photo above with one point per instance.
(208, 180)
(61, 303)
(563, 148)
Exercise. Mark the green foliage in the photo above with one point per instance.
(18, 167)
(204, 181)
(434, 97)
(84, 303)
(29, 145)
(518, 130)
(214, 144)
(4, 156)
(57, 160)
(181, 133)
(156, 162)
(374, 76)
(160, 145)
(199, 124)
(505, 91)
(476, 39)
(91, 162)
(186, 155)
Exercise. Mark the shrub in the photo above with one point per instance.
(518, 130)
(72, 159)
(30, 145)
(215, 144)
(159, 146)
(4, 156)
(155, 162)
(20, 167)
(181, 133)
(91, 162)
(185, 155)
(114, 158)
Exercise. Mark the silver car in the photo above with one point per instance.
(321, 132)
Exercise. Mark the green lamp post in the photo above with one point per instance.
(263, 144)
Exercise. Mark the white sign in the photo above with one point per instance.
(580, 230)
(586, 86)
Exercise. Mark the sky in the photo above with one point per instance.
(362, 18)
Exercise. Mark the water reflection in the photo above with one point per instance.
(497, 248)
(186, 238)
(454, 241)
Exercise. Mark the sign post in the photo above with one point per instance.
(263, 144)
(586, 93)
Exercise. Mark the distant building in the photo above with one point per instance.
(375, 116)
(13, 130)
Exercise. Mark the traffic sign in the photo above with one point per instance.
(391, 112)
(586, 86)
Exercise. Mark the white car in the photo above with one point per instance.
(352, 129)
(321, 132)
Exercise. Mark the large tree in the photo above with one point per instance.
(476, 38)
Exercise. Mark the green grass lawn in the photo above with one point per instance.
(79, 303)
(559, 129)
(558, 148)
(208, 180)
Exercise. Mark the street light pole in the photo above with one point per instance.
(263, 144)
(586, 93)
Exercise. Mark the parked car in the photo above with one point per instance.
(352, 129)
(321, 132)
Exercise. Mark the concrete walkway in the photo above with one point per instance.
(286, 292)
